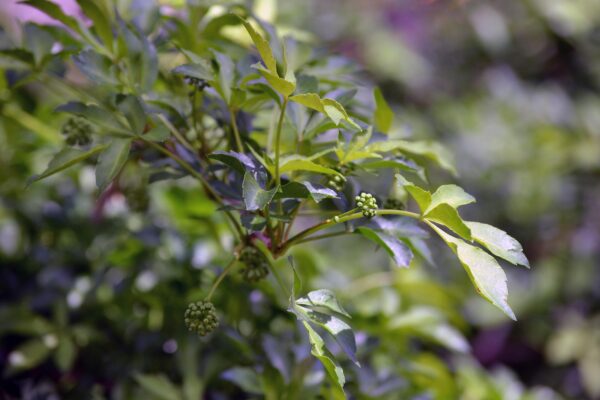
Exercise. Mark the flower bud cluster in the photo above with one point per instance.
(367, 203)
(256, 266)
(201, 317)
(77, 131)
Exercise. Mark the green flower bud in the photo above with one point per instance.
(201, 317)
(77, 131)
(367, 203)
(256, 266)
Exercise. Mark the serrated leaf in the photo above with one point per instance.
(64, 159)
(498, 243)
(400, 252)
(486, 274)
(383, 116)
(322, 298)
(159, 386)
(133, 110)
(448, 216)
(263, 47)
(255, 197)
(304, 190)
(111, 161)
(296, 163)
(332, 367)
(452, 195)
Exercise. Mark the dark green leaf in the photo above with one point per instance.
(133, 110)
(400, 252)
(111, 161)
(255, 197)
(304, 190)
(201, 70)
(158, 386)
(64, 159)
(322, 298)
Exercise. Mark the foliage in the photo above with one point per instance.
(234, 147)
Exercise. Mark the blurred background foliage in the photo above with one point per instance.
(92, 292)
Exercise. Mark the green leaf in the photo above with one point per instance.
(27, 356)
(498, 243)
(54, 11)
(244, 377)
(239, 162)
(427, 149)
(108, 121)
(159, 386)
(263, 47)
(421, 196)
(98, 68)
(323, 298)
(94, 11)
(452, 195)
(159, 133)
(383, 116)
(133, 110)
(64, 159)
(305, 190)
(284, 86)
(111, 161)
(65, 353)
(486, 274)
(296, 163)
(341, 331)
(202, 70)
(255, 197)
(448, 216)
(400, 252)
(331, 108)
(226, 75)
(332, 367)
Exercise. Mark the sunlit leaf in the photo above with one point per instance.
(383, 116)
(498, 242)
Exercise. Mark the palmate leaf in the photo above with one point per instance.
(66, 158)
(486, 274)
(284, 86)
(448, 216)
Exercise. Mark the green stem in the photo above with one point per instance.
(279, 280)
(222, 276)
(236, 132)
(323, 236)
(278, 141)
(198, 176)
(334, 221)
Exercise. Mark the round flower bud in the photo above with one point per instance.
(367, 204)
(201, 317)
